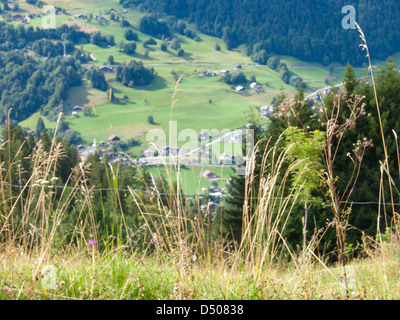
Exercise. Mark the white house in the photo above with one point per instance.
(240, 89)
(148, 153)
(266, 111)
(255, 86)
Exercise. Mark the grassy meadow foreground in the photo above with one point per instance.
(118, 275)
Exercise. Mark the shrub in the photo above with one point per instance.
(130, 35)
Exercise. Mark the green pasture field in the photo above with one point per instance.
(190, 177)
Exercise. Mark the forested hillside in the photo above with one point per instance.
(308, 30)
(28, 84)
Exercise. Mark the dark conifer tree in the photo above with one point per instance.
(40, 127)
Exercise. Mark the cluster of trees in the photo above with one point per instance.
(129, 48)
(181, 28)
(309, 30)
(22, 146)
(134, 74)
(285, 74)
(369, 181)
(12, 38)
(97, 79)
(51, 49)
(98, 39)
(151, 25)
(161, 29)
(27, 85)
(363, 219)
(6, 6)
(234, 78)
(130, 35)
(149, 42)
(40, 4)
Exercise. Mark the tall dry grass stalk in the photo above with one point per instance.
(33, 211)
(171, 231)
(265, 221)
(364, 46)
(385, 169)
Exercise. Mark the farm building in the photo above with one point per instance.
(148, 153)
(106, 69)
(255, 86)
(25, 20)
(170, 150)
(77, 108)
(209, 174)
(102, 19)
(114, 138)
(17, 17)
(266, 111)
(203, 73)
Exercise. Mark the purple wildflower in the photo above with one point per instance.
(92, 242)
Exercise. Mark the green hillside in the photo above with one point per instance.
(193, 108)
(312, 30)
(201, 102)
